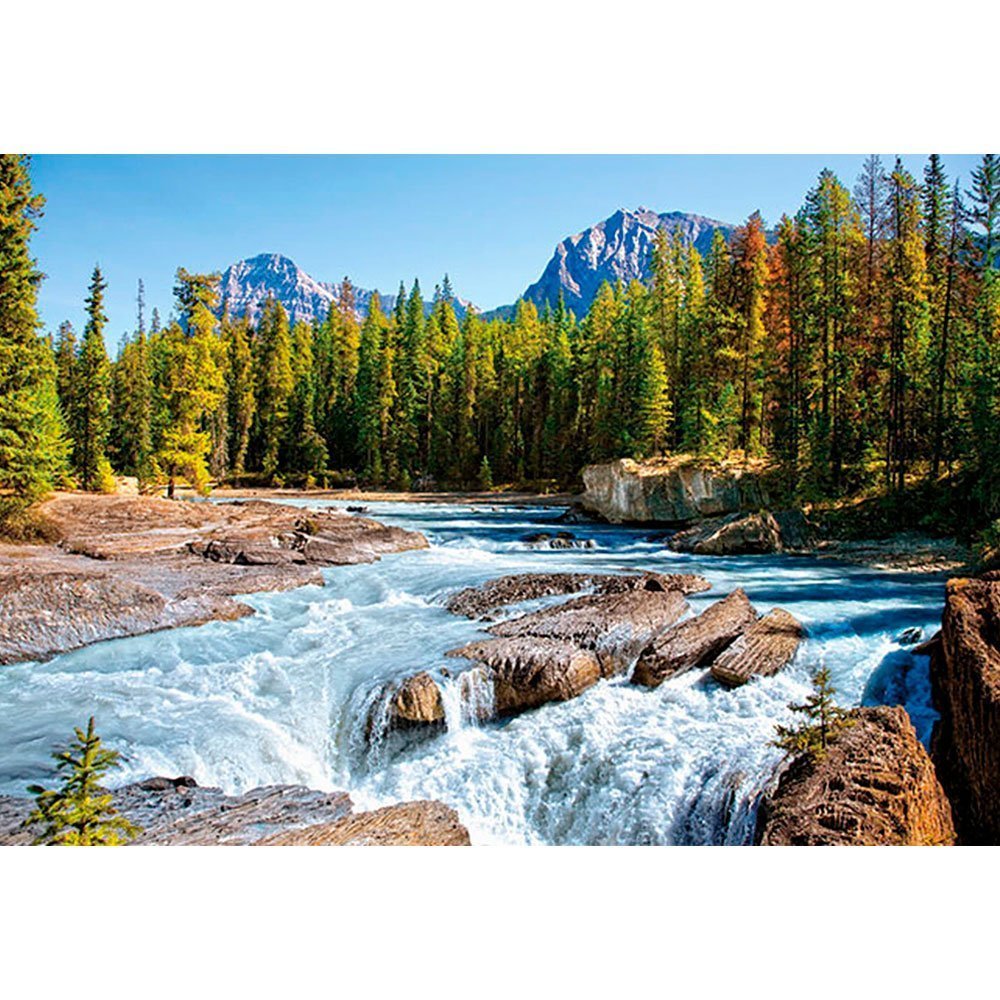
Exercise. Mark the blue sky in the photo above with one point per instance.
(491, 222)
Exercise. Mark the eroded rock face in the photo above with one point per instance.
(875, 786)
(528, 672)
(408, 824)
(762, 650)
(696, 641)
(617, 627)
(178, 812)
(131, 565)
(965, 673)
(418, 700)
(489, 598)
(736, 534)
(673, 491)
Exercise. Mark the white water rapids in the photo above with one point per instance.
(283, 696)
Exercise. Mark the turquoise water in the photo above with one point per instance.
(283, 696)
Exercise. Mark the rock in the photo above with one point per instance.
(132, 565)
(172, 811)
(732, 535)
(965, 676)
(484, 600)
(408, 824)
(797, 531)
(875, 786)
(357, 510)
(671, 491)
(561, 540)
(617, 627)
(418, 700)
(176, 811)
(576, 514)
(762, 650)
(910, 636)
(695, 642)
(528, 672)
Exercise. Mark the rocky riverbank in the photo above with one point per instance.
(127, 565)
(179, 812)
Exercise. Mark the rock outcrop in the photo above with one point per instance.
(735, 534)
(486, 600)
(408, 824)
(762, 650)
(965, 674)
(671, 491)
(527, 672)
(617, 627)
(131, 565)
(696, 641)
(179, 812)
(875, 786)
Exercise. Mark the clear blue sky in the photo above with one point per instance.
(491, 222)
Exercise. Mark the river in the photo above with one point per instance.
(283, 696)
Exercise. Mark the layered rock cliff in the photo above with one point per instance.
(875, 786)
(965, 673)
(671, 491)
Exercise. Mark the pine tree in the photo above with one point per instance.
(275, 382)
(304, 448)
(824, 720)
(240, 397)
(373, 398)
(80, 813)
(33, 446)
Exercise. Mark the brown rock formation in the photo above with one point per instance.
(417, 700)
(695, 642)
(485, 600)
(178, 812)
(672, 491)
(527, 672)
(409, 824)
(875, 786)
(130, 565)
(746, 534)
(965, 673)
(617, 627)
(761, 651)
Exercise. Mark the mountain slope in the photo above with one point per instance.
(247, 284)
(616, 249)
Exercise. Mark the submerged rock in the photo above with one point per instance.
(617, 627)
(965, 675)
(746, 534)
(875, 786)
(671, 491)
(490, 597)
(561, 540)
(762, 650)
(695, 642)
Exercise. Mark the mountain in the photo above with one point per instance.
(617, 248)
(247, 284)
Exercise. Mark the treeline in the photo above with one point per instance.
(855, 345)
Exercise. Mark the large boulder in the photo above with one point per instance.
(965, 674)
(735, 534)
(528, 672)
(617, 626)
(876, 785)
(417, 700)
(488, 598)
(696, 641)
(761, 651)
(671, 491)
(408, 824)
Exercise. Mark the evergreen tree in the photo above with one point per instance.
(240, 397)
(824, 720)
(275, 382)
(80, 813)
(32, 435)
(92, 394)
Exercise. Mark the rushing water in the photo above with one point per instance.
(284, 696)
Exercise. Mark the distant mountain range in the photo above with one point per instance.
(616, 249)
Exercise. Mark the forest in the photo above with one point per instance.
(854, 346)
